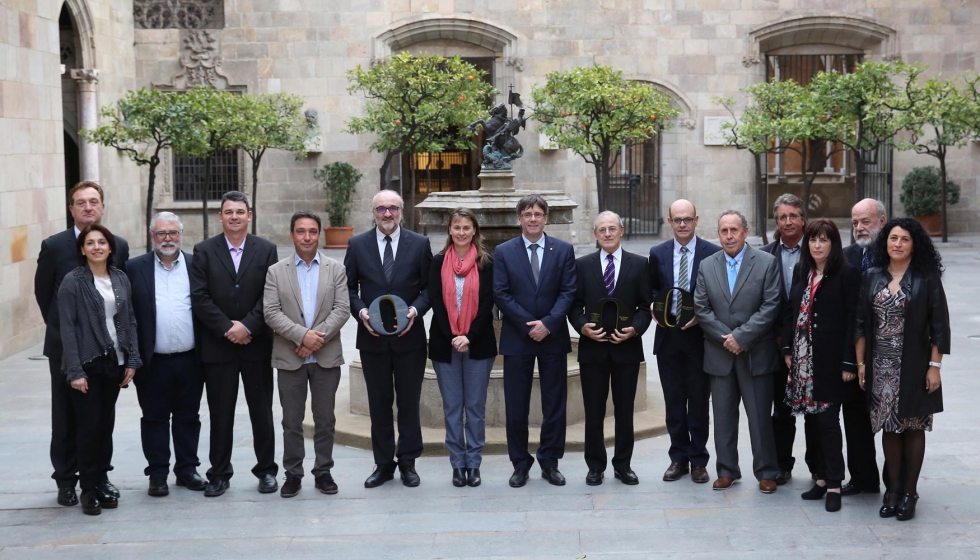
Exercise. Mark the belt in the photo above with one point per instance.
(174, 355)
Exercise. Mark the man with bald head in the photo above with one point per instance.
(680, 350)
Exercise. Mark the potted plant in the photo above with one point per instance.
(922, 197)
(339, 180)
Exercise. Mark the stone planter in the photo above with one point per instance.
(337, 237)
(932, 223)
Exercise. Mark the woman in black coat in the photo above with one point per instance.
(902, 333)
(462, 343)
(819, 353)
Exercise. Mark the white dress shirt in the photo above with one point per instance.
(539, 252)
(172, 297)
(395, 235)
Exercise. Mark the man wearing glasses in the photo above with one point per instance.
(680, 349)
(58, 257)
(170, 383)
(390, 260)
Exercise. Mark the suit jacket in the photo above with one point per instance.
(749, 312)
(142, 276)
(283, 312)
(520, 300)
(854, 253)
(58, 257)
(661, 273)
(632, 289)
(483, 341)
(366, 282)
(832, 315)
(220, 295)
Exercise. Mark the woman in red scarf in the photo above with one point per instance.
(462, 344)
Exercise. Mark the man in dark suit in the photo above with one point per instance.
(227, 287)
(534, 283)
(790, 215)
(57, 258)
(867, 219)
(170, 383)
(737, 302)
(390, 259)
(680, 349)
(610, 357)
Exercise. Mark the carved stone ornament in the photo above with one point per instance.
(200, 58)
(517, 63)
(748, 61)
(178, 14)
(688, 124)
(85, 75)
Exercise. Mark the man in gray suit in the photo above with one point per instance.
(736, 302)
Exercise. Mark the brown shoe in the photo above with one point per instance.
(723, 483)
(699, 475)
(767, 486)
(675, 471)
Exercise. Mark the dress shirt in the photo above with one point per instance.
(788, 257)
(77, 231)
(172, 298)
(395, 235)
(617, 262)
(690, 262)
(737, 259)
(236, 252)
(308, 276)
(540, 251)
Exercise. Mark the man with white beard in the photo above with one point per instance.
(170, 383)
(867, 219)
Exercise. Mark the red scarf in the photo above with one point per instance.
(452, 266)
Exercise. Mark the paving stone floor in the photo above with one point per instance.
(653, 520)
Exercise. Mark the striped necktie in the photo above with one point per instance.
(609, 277)
(389, 261)
(683, 281)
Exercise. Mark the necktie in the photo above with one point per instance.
(535, 266)
(389, 261)
(683, 281)
(865, 260)
(609, 277)
(732, 275)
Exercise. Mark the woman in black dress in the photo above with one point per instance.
(902, 334)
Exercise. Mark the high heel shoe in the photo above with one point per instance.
(459, 478)
(906, 509)
(889, 506)
(814, 493)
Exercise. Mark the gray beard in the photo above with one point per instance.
(161, 252)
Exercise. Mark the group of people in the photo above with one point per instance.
(173, 323)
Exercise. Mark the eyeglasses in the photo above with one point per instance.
(682, 221)
(172, 234)
(535, 215)
(787, 218)
(605, 230)
(391, 209)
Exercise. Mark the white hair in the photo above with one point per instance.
(166, 217)
(607, 214)
(401, 201)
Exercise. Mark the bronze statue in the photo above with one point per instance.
(501, 146)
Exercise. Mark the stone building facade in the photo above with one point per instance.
(694, 50)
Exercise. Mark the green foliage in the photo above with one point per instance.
(595, 110)
(340, 181)
(268, 121)
(922, 192)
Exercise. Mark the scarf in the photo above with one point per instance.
(452, 266)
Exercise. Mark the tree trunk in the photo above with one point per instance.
(205, 188)
(384, 168)
(942, 174)
(149, 202)
(601, 184)
(256, 161)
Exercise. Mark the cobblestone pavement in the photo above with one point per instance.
(653, 520)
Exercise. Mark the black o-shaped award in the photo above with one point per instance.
(388, 315)
(609, 315)
(664, 304)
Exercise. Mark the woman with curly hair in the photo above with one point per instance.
(902, 333)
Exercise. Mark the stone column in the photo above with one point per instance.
(87, 80)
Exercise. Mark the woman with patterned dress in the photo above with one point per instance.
(817, 346)
(902, 333)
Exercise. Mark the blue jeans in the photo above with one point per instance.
(463, 384)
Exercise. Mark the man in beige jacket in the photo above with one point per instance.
(306, 304)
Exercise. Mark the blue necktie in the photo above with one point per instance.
(865, 260)
(732, 275)
(609, 277)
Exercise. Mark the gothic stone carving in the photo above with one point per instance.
(179, 14)
(748, 61)
(200, 58)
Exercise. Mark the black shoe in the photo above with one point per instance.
(268, 484)
(626, 476)
(473, 477)
(833, 502)
(518, 479)
(67, 496)
(291, 487)
(814, 493)
(325, 484)
(109, 489)
(192, 481)
(675, 471)
(782, 477)
(553, 477)
(409, 477)
(850, 489)
(889, 506)
(106, 499)
(216, 487)
(158, 486)
(379, 477)
(459, 478)
(594, 478)
(906, 508)
(90, 503)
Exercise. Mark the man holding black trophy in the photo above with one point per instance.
(679, 343)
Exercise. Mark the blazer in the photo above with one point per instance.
(83, 321)
(366, 282)
(632, 289)
(926, 325)
(749, 313)
(483, 340)
(774, 250)
(661, 274)
(832, 316)
(854, 253)
(283, 312)
(220, 295)
(521, 300)
(142, 276)
(58, 257)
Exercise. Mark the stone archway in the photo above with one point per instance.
(848, 32)
(79, 83)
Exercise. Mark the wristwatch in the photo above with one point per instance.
(937, 365)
